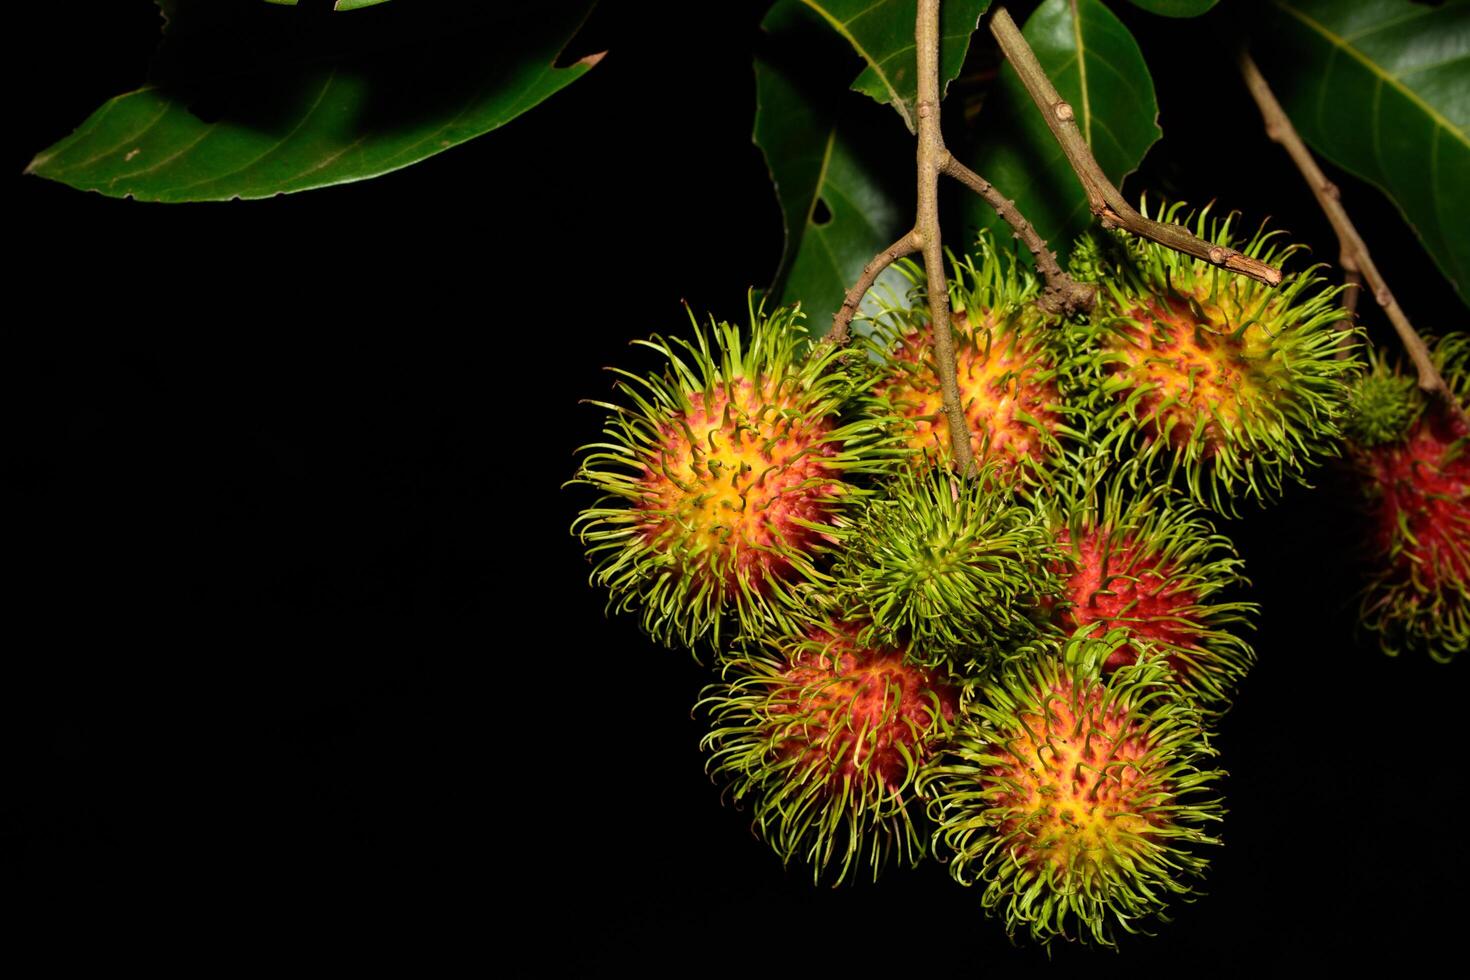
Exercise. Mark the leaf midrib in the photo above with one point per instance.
(1342, 44)
(841, 28)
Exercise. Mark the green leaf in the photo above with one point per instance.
(1096, 66)
(844, 193)
(243, 103)
(882, 33)
(1382, 89)
(1176, 8)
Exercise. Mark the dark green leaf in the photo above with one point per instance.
(1176, 8)
(882, 33)
(1382, 89)
(1096, 66)
(837, 181)
(246, 103)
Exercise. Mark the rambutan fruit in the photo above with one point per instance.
(1006, 362)
(1413, 457)
(949, 569)
(1234, 385)
(1148, 563)
(1078, 801)
(723, 478)
(824, 738)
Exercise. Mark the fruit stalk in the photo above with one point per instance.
(931, 155)
(1355, 257)
(1107, 202)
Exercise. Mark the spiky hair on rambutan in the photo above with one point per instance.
(1080, 803)
(1412, 454)
(1234, 386)
(724, 477)
(824, 737)
(1143, 560)
(950, 569)
(1006, 362)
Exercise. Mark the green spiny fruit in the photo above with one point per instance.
(1006, 360)
(949, 569)
(1413, 456)
(824, 737)
(1150, 564)
(1382, 407)
(724, 478)
(1235, 385)
(1080, 803)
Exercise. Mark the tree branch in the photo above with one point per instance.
(907, 245)
(1355, 258)
(931, 157)
(1062, 294)
(1106, 201)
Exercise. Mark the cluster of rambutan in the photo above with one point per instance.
(1012, 670)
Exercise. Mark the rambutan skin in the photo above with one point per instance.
(950, 570)
(824, 738)
(1149, 563)
(1413, 457)
(724, 478)
(1007, 358)
(1232, 386)
(1080, 803)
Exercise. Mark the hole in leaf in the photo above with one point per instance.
(821, 214)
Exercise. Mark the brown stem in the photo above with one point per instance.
(1106, 201)
(907, 245)
(1355, 257)
(1062, 293)
(931, 157)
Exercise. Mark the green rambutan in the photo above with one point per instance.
(1006, 362)
(1235, 385)
(1413, 456)
(949, 569)
(1076, 799)
(724, 478)
(1152, 565)
(824, 738)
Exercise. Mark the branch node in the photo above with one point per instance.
(1063, 111)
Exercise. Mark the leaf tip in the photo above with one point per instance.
(591, 60)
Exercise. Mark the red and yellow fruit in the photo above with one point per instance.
(1413, 456)
(1148, 563)
(1079, 802)
(723, 479)
(1232, 385)
(823, 738)
(1006, 361)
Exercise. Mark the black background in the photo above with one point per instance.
(303, 656)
